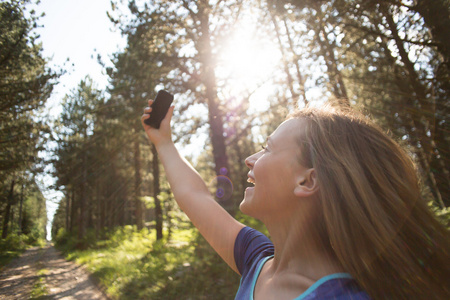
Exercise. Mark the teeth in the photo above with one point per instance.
(250, 180)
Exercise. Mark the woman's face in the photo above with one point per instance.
(275, 172)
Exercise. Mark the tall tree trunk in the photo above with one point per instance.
(98, 196)
(10, 200)
(82, 217)
(11, 222)
(101, 205)
(168, 206)
(215, 115)
(156, 192)
(137, 186)
(73, 210)
(68, 212)
(19, 222)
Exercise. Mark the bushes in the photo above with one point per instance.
(15, 244)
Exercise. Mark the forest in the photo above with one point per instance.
(236, 68)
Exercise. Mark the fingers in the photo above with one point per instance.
(143, 118)
(147, 110)
(146, 114)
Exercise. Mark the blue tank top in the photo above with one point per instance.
(252, 249)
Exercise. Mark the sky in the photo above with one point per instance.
(77, 30)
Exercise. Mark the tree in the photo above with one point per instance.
(9, 203)
(76, 147)
(25, 85)
(34, 220)
(134, 77)
(25, 211)
(410, 54)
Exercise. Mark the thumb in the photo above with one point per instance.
(169, 115)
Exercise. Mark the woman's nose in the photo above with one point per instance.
(250, 161)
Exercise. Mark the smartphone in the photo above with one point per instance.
(160, 107)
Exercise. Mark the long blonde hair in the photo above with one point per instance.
(379, 227)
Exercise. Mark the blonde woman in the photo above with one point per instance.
(342, 204)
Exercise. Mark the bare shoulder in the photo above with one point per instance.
(285, 285)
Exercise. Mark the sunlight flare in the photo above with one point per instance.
(248, 59)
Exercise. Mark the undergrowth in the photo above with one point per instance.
(14, 245)
(132, 264)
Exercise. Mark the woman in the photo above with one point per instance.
(342, 204)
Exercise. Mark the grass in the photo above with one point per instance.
(39, 290)
(131, 264)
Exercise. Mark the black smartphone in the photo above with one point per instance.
(160, 107)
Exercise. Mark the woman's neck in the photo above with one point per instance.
(299, 248)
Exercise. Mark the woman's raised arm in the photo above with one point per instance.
(191, 193)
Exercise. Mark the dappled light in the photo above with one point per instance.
(347, 198)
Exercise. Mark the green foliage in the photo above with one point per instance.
(25, 85)
(59, 219)
(131, 264)
(12, 247)
(36, 237)
(15, 244)
(443, 214)
(34, 219)
(31, 230)
(64, 240)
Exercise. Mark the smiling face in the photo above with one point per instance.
(276, 174)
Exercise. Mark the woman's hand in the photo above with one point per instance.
(160, 136)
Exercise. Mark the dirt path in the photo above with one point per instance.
(62, 279)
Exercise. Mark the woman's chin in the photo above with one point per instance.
(244, 206)
(249, 191)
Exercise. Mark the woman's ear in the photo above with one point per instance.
(307, 183)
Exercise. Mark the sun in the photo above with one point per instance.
(247, 59)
